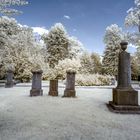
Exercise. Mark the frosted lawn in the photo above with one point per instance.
(54, 118)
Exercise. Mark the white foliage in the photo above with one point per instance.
(134, 38)
(59, 71)
(133, 17)
(5, 6)
(62, 51)
(86, 63)
(113, 35)
(57, 44)
(90, 63)
(18, 49)
(112, 39)
(75, 47)
(92, 80)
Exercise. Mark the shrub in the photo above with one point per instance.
(93, 80)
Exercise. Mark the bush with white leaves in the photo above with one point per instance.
(59, 71)
(93, 80)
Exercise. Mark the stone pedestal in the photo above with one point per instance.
(53, 89)
(36, 83)
(70, 85)
(9, 79)
(125, 98)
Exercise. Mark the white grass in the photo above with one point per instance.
(54, 118)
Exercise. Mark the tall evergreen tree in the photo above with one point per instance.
(86, 63)
(112, 39)
(56, 44)
(96, 59)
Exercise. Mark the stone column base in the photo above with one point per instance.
(35, 92)
(123, 109)
(69, 93)
(9, 84)
(126, 96)
(53, 93)
(125, 101)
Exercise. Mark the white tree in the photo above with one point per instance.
(87, 65)
(133, 20)
(5, 6)
(96, 59)
(29, 54)
(8, 27)
(75, 47)
(18, 49)
(60, 45)
(112, 39)
(133, 17)
(90, 63)
(56, 44)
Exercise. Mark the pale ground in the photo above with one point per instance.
(54, 118)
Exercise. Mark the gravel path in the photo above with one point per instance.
(54, 118)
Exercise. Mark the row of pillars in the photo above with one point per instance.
(53, 88)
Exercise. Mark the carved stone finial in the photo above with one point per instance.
(124, 45)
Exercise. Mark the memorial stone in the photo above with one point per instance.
(125, 98)
(9, 79)
(36, 83)
(70, 85)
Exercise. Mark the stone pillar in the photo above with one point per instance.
(36, 83)
(53, 89)
(124, 68)
(9, 79)
(125, 98)
(70, 85)
(139, 80)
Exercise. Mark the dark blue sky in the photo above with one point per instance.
(88, 18)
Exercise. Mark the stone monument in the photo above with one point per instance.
(139, 80)
(125, 98)
(70, 84)
(36, 83)
(9, 79)
(53, 90)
